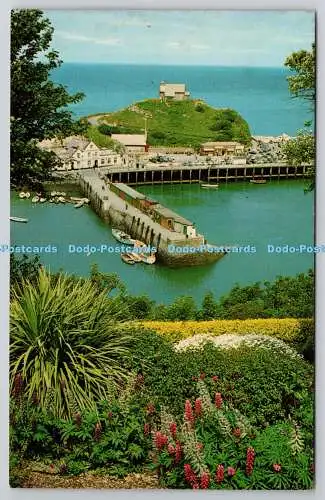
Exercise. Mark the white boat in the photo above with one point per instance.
(51, 201)
(42, 200)
(22, 195)
(122, 237)
(53, 193)
(63, 194)
(80, 204)
(27, 195)
(61, 199)
(135, 256)
(35, 199)
(209, 186)
(18, 219)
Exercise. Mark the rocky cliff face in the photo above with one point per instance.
(267, 149)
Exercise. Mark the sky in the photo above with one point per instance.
(224, 38)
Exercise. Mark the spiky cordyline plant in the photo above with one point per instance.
(65, 338)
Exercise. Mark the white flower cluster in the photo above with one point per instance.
(230, 341)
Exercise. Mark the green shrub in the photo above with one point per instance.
(112, 437)
(214, 446)
(67, 344)
(305, 342)
(267, 386)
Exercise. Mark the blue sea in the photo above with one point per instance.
(260, 95)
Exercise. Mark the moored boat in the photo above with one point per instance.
(257, 181)
(79, 205)
(35, 199)
(122, 237)
(27, 195)
(135, 256)
(18, 219)
(22, 195)
(61, 199)
(127, 259)
(53, 193)
(42, 200)
(211, 186)
(148, 259)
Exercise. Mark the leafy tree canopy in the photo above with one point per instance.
(303, 82)
(38, 105)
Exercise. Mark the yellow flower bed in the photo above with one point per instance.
(284, 329)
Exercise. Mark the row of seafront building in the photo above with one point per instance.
(134, 162)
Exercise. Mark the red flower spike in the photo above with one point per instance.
(199, 446)
(220, 473)
(146, 429)
(160, 440)
(237, 432)
(98, 431)
(205, 481)
(188, 415)
(218, 399)
(250, 457)
(171, 449)
(195, 486)
(202, 376)
(215, 378)
(198, 407)
(173, 429)
(150, 409)
(178, 452)
(277, 467)
(231, 471)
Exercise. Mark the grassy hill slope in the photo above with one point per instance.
(181, 123)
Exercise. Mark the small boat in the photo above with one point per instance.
(50, 200)
(63, 194)
(213, 186)
(80, 204)
(42, 200)
(148, 259)
(53, 193)
(61, 199)
(122, 237)
(22, 195)
(135, 256)
(18, 219)
(257, 181)
(56, 200)
(35, 199)
(27, 195)
(74, 198)
(127, 259)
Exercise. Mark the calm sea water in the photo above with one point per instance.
(260, 94)
(276, 213)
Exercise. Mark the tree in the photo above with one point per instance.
(302, 149)
(303, 83)
(38, 106)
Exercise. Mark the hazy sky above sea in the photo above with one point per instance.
(225, 38)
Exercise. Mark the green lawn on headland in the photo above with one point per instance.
(181, 123)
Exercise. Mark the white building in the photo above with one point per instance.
(175, 91)
(77, 152)
(136, 143)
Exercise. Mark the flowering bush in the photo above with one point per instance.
(218, 448)
(285, 329)
(267, 385)
(233, 341)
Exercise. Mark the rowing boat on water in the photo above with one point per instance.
(127, 259)
(210, 186)
(122, 237)
(18, 219)
(80, 204)
(257, 181)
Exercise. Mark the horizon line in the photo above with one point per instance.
(171, 64)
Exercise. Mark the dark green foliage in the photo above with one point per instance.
(22, 268)
(111, 438)
(305, 343)
(266, 386)
(38, 106)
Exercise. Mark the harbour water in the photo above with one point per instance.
(277, 213)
